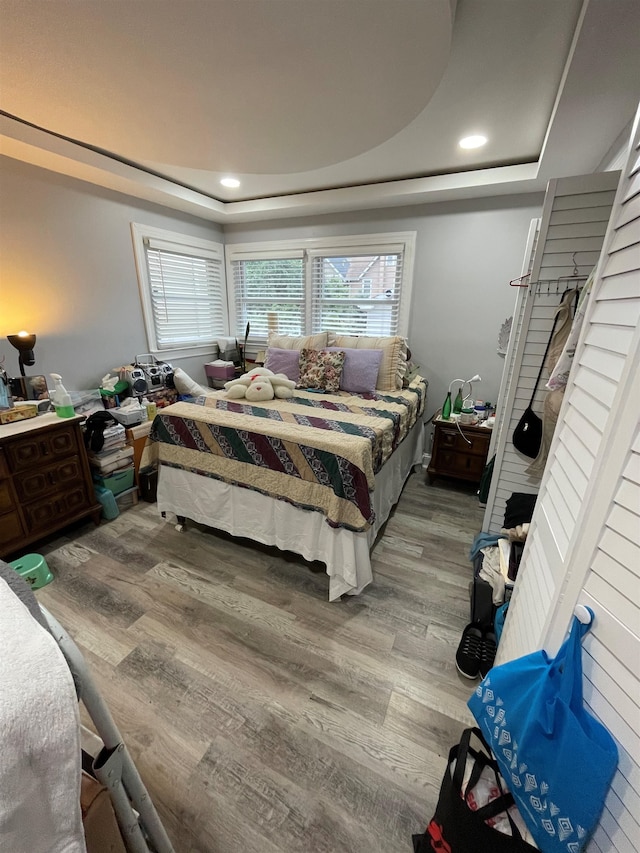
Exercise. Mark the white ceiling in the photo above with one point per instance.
(315, 105)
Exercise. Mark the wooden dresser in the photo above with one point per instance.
(45, 482)
(452, 456)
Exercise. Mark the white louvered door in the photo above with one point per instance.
(585, 536)
(572, 230)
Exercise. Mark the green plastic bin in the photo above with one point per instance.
(33, 569)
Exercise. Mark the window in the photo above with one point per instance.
(183, 290)
(354, 285)
(269, 292)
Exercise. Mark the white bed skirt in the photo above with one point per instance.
(243, 512)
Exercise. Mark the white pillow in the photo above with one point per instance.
(186, 385)
(301, 342)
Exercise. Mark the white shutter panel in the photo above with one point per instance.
(187, 296)
(269, 292)
(356, 292)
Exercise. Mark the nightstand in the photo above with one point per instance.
(453, 456)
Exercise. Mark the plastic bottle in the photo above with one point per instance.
(109, 504)
(61, 398)
(458, 403)
(446, 408)
(480, 410)
(150, 408)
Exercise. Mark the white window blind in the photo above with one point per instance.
(357, 293)
(269, 292)
(183, 289)
(358, 286)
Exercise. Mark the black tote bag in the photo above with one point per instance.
(455, 827)
(527, 435)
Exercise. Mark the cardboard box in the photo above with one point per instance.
(137, 439)
(98, 818)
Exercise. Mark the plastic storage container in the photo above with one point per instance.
(126, 500)
(117, 482)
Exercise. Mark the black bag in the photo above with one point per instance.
(94, 429)
(455, 827)
(480, 597)
(527, 435)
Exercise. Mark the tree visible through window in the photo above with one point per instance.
(266, 287)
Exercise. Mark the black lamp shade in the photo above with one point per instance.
(24, 343)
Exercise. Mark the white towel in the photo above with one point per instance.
(40, 752)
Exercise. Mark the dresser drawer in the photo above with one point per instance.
(467, 466)
(10, 528)
(40, 449)
(49, 510)
(450, 439)
(6, 498)
(48, 479)
(4, 468)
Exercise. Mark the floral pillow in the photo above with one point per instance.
(321, 369)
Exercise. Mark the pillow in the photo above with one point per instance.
(360, 371)
(285, 361)
(394, 356)
(299, 343)
(321, 369)
(184, 384)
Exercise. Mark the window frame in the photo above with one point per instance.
(184, 244)
(338, 246)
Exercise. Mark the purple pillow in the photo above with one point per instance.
(285, 361)
(360, 370)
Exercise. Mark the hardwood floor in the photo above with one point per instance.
(260, 716)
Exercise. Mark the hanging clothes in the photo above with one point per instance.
(553, 399)
(560, 373)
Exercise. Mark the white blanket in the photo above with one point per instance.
(40, 754)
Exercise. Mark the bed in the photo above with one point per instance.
(317, 474)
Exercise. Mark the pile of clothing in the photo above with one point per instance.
(496, 560)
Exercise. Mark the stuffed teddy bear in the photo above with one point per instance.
(260, 384)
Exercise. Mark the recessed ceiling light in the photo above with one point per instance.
(230, 182)
(473, 142)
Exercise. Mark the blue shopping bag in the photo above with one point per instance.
(557, 760)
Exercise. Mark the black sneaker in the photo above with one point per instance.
(468, 656)
(488, 653)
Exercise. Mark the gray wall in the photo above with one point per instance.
(466, 253)
(67, 272)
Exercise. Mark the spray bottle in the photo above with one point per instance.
(61, 398)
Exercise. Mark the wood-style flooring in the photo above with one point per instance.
(260, 716)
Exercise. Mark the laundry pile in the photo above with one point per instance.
(496, 560)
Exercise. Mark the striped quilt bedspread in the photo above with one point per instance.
(316, 451)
